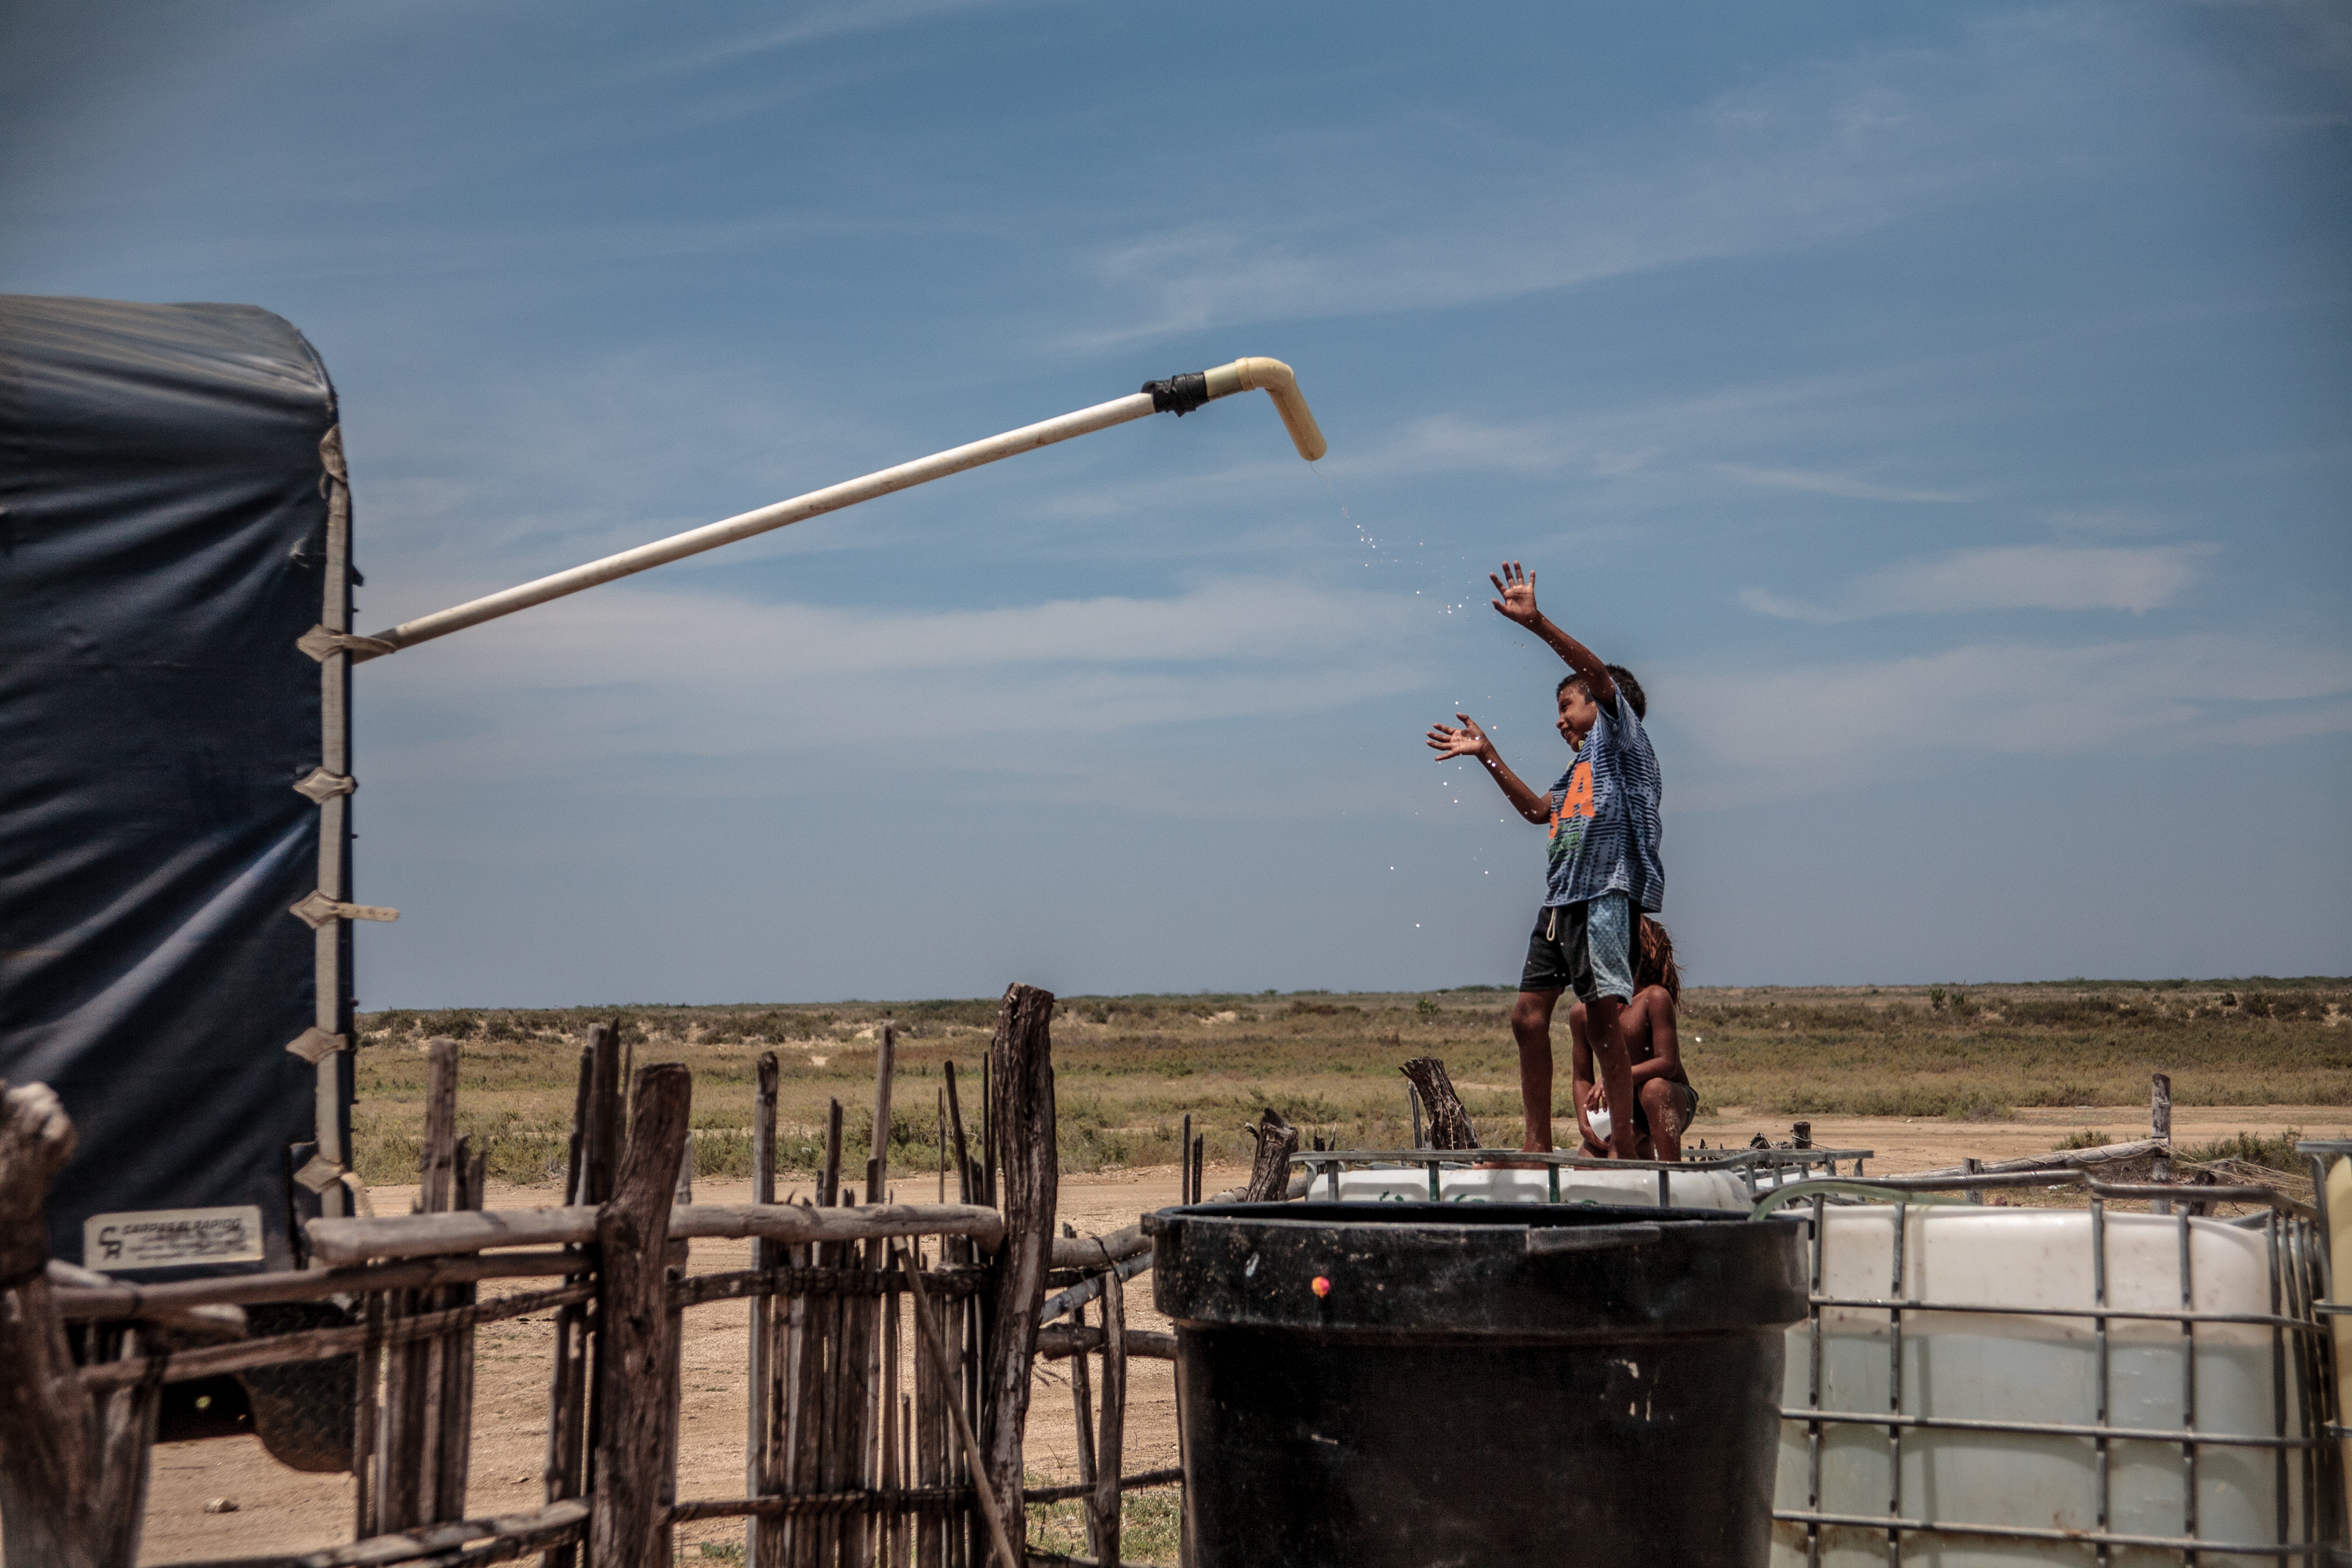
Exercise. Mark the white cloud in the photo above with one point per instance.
(2121, 521)
(2009, 577)
(671, 674)
(1810, 730)
(1852, 487)
(1451, 212)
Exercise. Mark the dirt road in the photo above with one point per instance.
(281, 1510)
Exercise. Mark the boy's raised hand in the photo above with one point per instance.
(1467, 742)
(1517, 587)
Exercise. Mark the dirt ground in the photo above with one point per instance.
(282, 1511)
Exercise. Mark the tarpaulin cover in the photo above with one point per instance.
(162, 541)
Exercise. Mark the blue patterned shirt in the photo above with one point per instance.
(1605, 826)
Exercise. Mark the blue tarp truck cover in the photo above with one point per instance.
(168, 474)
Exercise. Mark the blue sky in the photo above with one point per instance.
(1946, 411)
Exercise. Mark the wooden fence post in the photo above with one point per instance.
(1449, 1124)
(1111, 1452)
(1021, 1131)
(569, 1387)
(2160, 1126)
(763, 1538)
(627, 1524)
(1277, 1139)
(48, 1428)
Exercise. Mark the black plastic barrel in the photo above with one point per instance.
(1402, 1385)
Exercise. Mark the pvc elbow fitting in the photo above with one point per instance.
(1275, 379)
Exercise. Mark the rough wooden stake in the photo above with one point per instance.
(418, 1375)
(437, 1173)
(1021, 1130)
(567, 1405)
(454, 1443)
(990, 1507)
(628, 1518)
(1449, 1124)
(878, 1162)
(870, 1396)
(603, 1130)
(890, 1477)
(1110, 1452)
(127, 1420)
(930, 1413)
(1277, 1139)
(2159, 1131)
(988, 1147)
(365, 1414)
(816, 1342)
(1082, 1402)
(675, 1256)
(1200, 1162)
(966, 1189)
(599, 1134)
(49, 1459)
(759, 1458)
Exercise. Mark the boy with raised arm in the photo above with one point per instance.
(1603, 869)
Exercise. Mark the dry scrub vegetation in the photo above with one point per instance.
(1129, 1068)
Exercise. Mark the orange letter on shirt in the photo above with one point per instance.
(1578, 799)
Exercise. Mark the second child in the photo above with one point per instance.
(1664, 1100)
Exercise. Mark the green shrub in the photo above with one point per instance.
(2276, 1153)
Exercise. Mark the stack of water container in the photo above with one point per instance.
(1983, 1386)
(1979, 1387)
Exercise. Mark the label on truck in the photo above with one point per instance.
(167, 1239)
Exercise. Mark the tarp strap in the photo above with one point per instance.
(319, 642)
(321, 784)
(314, 1044)
(318, 909)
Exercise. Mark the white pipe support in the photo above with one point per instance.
(815, 503)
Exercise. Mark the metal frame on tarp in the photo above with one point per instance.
(175, 804)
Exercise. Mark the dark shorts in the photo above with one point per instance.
(1585, 948)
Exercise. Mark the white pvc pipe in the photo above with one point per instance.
(1270, 375)
(710, 536)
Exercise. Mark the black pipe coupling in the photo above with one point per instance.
(1179, 395)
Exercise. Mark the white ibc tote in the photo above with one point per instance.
(1984, 1388)
(1700, 1189)
(1730, 1180)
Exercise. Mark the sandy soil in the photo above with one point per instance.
(282, 1511)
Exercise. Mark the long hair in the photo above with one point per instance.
(1656, 965)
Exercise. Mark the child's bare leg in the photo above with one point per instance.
(1531, 1027)
(1658, 1104)
(1604, 1025)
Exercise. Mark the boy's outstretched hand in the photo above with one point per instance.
(1467, 742)
(1517, 587)
(1471, 742)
